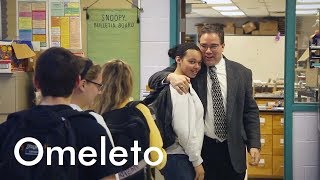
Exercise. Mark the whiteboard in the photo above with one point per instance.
(262, 54)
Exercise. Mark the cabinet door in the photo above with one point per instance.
(264, 167)
(266, 144)
(7, 94)
(278, 124)
(278, 165)
(278, 145)
(265, 123)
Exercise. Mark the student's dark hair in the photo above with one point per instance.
(181, 49)
(57, 71)
(212, 28)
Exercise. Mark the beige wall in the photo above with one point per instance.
(109, 4)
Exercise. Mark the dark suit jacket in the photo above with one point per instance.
(242, 110)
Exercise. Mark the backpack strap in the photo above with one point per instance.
(88, 111)
(133, 104)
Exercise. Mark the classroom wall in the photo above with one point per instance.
(262, 54)
(155, 38)
(154, 32)
(112, 4)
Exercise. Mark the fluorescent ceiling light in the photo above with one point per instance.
(218, 1)
(308, 1)
(307, 12)
(308, 6)
(233, 13)
(225, 8)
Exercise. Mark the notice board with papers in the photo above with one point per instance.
(114, 34)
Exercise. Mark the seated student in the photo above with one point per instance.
(184, 153)
(88, 88)
(54, 123)
(118, 86)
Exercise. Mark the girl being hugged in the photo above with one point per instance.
(184, 155)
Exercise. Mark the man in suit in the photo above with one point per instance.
(231, 113)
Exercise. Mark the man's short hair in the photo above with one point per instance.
(56, 72)
(212, 28)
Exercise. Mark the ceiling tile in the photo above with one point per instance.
(200, 6)
(207, 12)
(252, 8)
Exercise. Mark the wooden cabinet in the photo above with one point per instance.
(278, 124)
(266, 124)
(266, 144)
(16, 93)
(264, 167)
(278, 145)
(278, 165)
(271, 164)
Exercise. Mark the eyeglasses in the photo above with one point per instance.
(213, 47)
(99, 86)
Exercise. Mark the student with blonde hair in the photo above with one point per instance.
(115, 99)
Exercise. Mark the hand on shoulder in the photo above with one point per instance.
(179, 82)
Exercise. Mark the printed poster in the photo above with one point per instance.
(32, 23)
(65, 24)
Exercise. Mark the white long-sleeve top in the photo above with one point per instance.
(188, 124)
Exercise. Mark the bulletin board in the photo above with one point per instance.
(32, 21)
(65, 24)
(115, 34)
(264, 55)
(54, 23)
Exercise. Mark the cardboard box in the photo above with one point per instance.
(249, 27)
(229, 24)
(22, 53)
(239, 31)
(18, 54)
(228, 30)
(268, 28)
(312, 77)
(255, 32)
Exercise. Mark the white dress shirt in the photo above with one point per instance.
(209, 118)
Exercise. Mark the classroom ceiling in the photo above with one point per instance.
(247, 8)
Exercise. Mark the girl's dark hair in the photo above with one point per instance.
(181, 49)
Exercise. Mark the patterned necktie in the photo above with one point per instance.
(219, 114)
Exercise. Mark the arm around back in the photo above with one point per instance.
(156, 80)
